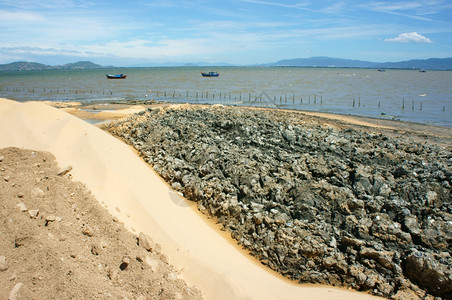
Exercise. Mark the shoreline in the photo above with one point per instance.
(132, 192)
(105, 112)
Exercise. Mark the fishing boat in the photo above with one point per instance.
(210, 74)
(117, 76)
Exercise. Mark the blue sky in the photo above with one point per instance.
(238, 32)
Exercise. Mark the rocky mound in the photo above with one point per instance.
(58, 242)
(318, 204)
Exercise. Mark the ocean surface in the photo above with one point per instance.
(407, 95)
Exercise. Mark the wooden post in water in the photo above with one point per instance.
(321, 100)
(412, 105)
(378, 104)
(420, 109)
(353, 102)
(315, 99)
(444, 108)
(403, 103)
(301, 100)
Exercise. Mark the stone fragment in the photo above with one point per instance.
(429, 273)
(172, 276)
(87, 230)
(22, 206)
(14, 294)
(125, 263)
(431, 197)
(3, 263)
(33, 213)
(383, 257)
(50, 218)
(64, 171)
(37, 193)
(1, 158)
(352, 242)
(145, 242)
(400, 172)
(412, 225)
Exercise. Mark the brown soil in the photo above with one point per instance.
(58, 242)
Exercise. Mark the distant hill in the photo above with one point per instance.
(320, 61)
(82, 65)
(428, 64)
(30, 66)
(23, 66)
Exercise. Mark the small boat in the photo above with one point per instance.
(422, 71)
(381, 70)
(210, 74)
(117, 76)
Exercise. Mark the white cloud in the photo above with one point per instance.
(17, 17)
(410, 37)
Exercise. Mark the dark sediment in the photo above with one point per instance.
(317, 204)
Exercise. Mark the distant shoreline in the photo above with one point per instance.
(438, 134)
(444, 64)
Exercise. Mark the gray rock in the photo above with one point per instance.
(429, 273)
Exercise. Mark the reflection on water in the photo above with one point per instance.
(399, 94)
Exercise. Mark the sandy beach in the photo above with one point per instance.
(134, 194)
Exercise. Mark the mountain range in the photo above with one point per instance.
(30, 66)
(321, 61)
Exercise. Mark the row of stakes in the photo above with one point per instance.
(57, 91)
(206, 95)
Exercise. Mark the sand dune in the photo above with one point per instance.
(131, 191)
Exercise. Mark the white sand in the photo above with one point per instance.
(131, 190)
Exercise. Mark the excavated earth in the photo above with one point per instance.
(322, 204)
(58, 242)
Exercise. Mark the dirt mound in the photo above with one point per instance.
(58, 242)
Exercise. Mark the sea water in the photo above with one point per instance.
(407, 95)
